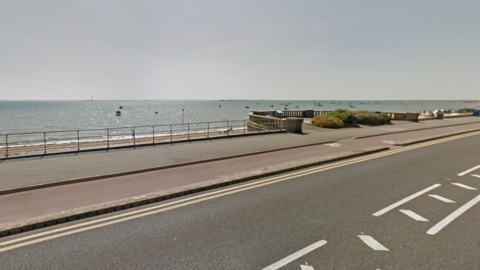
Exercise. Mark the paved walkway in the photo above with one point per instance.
(40, 170)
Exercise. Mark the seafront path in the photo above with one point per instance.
(61, 185)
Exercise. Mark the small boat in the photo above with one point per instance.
(285, 108)
(246, 107)
(219, 106)
(297, 106)
(119, 113)
(351, 106)
(156, 112)
(121, 107)
(258, 103)
(271, 105)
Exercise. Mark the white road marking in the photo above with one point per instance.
(464, 186)
(413, 215)
(476, 175)
(469, 170)
(411, 197)
(374, 244)
(295, 255)
(435, 229)
(306, 267)
(443, 199)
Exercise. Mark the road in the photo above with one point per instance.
(374, 212)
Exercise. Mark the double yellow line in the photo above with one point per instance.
(90, 225)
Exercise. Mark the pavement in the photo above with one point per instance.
(33, 171)
(321, 219)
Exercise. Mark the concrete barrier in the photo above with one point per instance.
(400, 116)
(412, 117)
(294, 124)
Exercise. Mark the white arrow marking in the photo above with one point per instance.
(306, 267)
(413, 215)
(295, 255)
(374, 244)
(443, 199)
(476, 175)
(469, 170)
(411, 197)
(464, 186)
(435, 229)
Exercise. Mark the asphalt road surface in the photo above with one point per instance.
(410, 208)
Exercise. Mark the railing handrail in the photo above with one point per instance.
(105, 128)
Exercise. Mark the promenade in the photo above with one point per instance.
(33, 171)
(41, 205)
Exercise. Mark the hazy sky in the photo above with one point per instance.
(419, 49)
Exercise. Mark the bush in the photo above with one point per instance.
(327, 121)
(348, 117)
(372, 119)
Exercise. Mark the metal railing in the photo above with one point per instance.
(35, 143)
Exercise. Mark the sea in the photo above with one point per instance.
(50, 116)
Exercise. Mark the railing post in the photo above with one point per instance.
(153, 135)
(78, 140)
(108, 138)
(134, 140)
(244, 126)
(188, 131)
(171, 134)
(6, 144)
(228, 130)
(45, 142)
(208, 129)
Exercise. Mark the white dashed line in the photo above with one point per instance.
(469, 170)
(443, 199)
(464, 186)
(476, 175)
(435, 229)
(413, 215)
(411, 197)
(374, 244)
(295, 255)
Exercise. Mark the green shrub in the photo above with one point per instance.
(372, 119)
(328, 121)
(314, 119)
(348, 117)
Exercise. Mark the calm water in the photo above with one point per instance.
(41, 116)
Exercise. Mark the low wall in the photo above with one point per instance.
(273, 120)
(260, 122)
(413, 117)
(294, 124)
(445, 116)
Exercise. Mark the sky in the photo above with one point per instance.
(290, 50)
